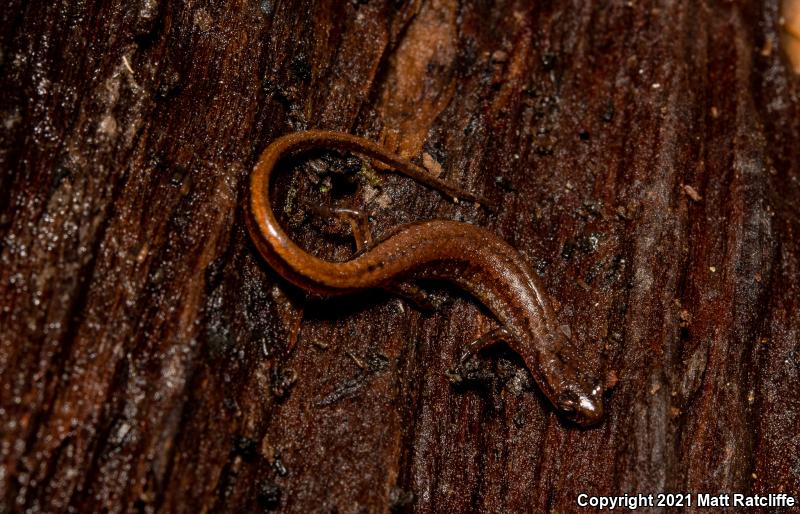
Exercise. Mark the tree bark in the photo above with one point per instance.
(643, 157)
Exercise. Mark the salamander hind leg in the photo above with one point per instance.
(356, 218)
(359, 225)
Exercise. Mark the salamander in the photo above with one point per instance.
(473, 258)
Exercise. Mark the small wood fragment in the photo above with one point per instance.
(692, 193)
(431, 164)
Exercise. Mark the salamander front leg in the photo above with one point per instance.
(410, 291)
(488, 339)
(461, 372)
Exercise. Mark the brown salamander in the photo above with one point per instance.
(473, 258)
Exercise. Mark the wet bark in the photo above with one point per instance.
(644, 160)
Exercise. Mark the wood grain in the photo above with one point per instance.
(143, 342)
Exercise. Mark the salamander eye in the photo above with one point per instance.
(568, 401)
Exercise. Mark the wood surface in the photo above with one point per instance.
(643, 158)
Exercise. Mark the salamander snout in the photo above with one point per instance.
(582, 406)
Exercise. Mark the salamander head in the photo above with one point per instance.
(582, 405)
(573, 391)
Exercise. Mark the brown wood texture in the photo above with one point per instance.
(643, 157)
